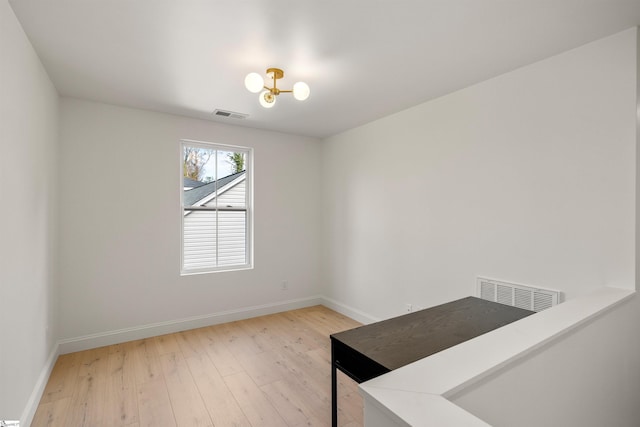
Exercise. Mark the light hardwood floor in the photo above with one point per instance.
(266, 371)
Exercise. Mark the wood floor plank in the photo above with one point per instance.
(327, 325)
(307, 383)
(291, 405)
(303, 369)
(237, 339)
(253, 402)
(218, 399)
(190, 342)
(121, 403)
(274, 332)
(263, 368)
(93, 362)
(86, 408)
(186, 401)
(224, 361)
(154, 405)
(147, 365)
(63, 378)
(166, 344)
(295, 321)
(52, 414)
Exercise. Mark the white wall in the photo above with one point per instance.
(528, 177)
(589, 378)
(28, 143)
(120, 220)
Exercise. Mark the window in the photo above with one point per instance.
(216, 207)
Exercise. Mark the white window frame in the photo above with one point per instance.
(248, 166)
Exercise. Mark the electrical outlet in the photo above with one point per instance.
(285, 285)
(408, 308)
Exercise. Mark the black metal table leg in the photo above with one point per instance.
(334, 388)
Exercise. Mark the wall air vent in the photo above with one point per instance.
(229, 114)
(534, 299)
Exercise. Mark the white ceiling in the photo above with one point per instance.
(363, 59)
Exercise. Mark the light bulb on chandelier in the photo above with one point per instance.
(254, 82)
(267, 99)
(301, 91)
(268, 95)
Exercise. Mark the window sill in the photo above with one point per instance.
(220, 270)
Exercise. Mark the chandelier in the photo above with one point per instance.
(255, 83)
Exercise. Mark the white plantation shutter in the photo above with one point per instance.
(200, 242)
(214, 238)
(232, 237)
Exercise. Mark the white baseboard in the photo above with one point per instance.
(351, 312)
(32, 404)
(86, 342)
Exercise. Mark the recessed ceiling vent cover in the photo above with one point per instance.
(229, 114)
(534, 299)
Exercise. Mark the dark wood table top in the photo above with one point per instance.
(405, 339)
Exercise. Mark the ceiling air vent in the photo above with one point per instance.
(229, 114)
(534, 299)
